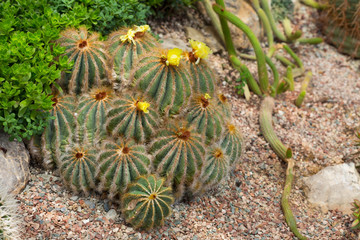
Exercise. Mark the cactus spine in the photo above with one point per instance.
(178, 156)
(341, 23)
(204, 116)
(78, 166)
(163, 77)
(59, 131)
(92, 110)
(147, 202)
(132, 117)
(9, 219)
(232, 143)
(125, 46)
(90, 60)
(120, 163)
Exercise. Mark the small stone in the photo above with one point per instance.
(90, 204)
(74, 198)
(111, 214)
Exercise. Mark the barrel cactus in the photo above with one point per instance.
(161, 75)
(77, 167)
(216, 168)
(121, 162)
(9, 219)
(224, 105)
(91, 114)
(58, 132)
(125, 46)
(147, 202)
(203, 78)
(90, 60)
(133, 116)
(205, 116)
(178, 156)
(340, 22)
(232, 142)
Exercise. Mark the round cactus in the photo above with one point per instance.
(224, 105)
(204, 115)
(232, 142)
(203, 77)
(147, 202)
(215, 169)
(160, 75)
(120, 163)
(92, 110)
(341, 24)
(132, 117)
(178, 156)
(9, 219)
(125, 46)
(90, 60)
(78, 166)
(59, 131)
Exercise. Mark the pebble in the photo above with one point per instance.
(111, 214)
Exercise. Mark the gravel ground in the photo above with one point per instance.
(247, 205)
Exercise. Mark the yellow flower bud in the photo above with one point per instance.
(142, 28)
(142, 106)
(200, 50)
(207, 96)
(129, 36)
(173, 57)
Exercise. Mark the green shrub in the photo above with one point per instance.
(29, 64)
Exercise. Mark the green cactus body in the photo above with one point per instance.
(224, 105)
(129, 117)
(341, 24)
(203, 77)
(9, 218)
(124, 52)
(204, 116)
(90, 60)
(216, 168)
(58, 131)
(147, 202)
(167, 83)
(92, 111)
(120, 163)
(178, 156)
(232, 142)
(78, 166)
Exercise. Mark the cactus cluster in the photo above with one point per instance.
(159, 131)
(9, 219)
(340, 21)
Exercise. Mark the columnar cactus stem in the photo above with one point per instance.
(299, 100)
(285, 154)
(9, 218)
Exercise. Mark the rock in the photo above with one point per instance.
(211, 40)
(14, 162)
(334, 187)
(112, 214)
(169, 43)
(247, 14)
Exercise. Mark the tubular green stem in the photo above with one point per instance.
(267, 130)
(289, 76)
(287, 27)
(294, 56)
(266, 6)
(214, 19)
(299, 100)
(316, 40)
(275, 74)
(284, 60)
(260, 56)
(226, 31)
(251, 82)
(313, 4)
(264, 19)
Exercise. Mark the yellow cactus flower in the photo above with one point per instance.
(207, 96)
(142, 28)
(200, 50)
(129, 36)
(142, 106)
(173, 57)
